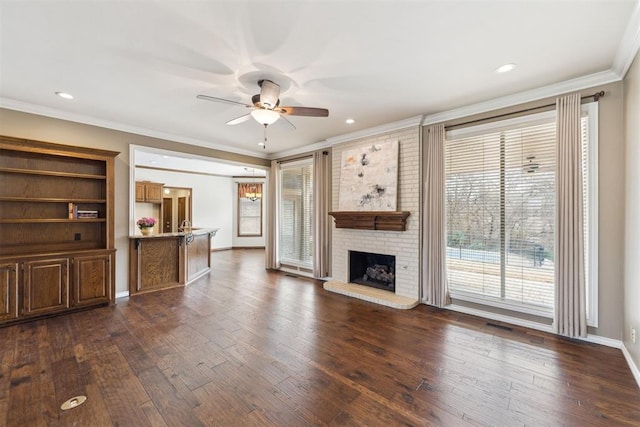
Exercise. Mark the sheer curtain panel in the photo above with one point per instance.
(570, 307)
(434, 280)
(321, 201)
(271, 235)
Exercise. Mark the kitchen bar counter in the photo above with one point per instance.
(168, 260)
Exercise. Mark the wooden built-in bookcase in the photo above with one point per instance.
(50, 260)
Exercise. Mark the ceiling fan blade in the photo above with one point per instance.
(269, 93)
(240, 119)
(304, 111)
(283, 122)
(226, 101)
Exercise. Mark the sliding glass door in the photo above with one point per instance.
(295, 246)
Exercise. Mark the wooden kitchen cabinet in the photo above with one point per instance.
(150, 192)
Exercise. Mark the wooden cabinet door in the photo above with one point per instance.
(153, 193)
(46, 286)
(8, 291)
(140, 192)
(198, 256)
(91, 279)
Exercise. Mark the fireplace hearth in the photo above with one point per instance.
(375, 270)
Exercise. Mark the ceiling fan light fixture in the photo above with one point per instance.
(265, 117)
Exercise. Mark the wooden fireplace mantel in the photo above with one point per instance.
(372, 220)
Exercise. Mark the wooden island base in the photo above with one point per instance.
(168, 260)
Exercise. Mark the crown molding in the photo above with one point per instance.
(364, 133)
(629, 45)
(25, 107)
(300, 150)
(377, 130)
(585, 82)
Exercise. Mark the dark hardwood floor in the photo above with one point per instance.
(243, 346)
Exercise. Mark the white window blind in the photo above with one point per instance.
(296, 215)
(500, 203)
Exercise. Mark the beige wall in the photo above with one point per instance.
(611, 189)
(632, 210)
(30, 126)
(611, 207)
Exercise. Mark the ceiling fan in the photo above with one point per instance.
(265, 107)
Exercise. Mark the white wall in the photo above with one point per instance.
(212, 198)
(632, 212)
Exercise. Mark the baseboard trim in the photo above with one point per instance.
(221, 249)
(634, 369)
(247, 247)
(597, 339)
(501, 318)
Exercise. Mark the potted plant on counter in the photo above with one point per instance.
(146, 225)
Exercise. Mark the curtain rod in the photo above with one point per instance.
(596, 97)
(306, 156)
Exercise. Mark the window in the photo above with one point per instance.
(295, 225)
(250, 209)
(500, 203)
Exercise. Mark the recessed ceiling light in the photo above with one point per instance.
(349, 121)
(64, 95)
(505, 68)
(153, 162)
(165, 157)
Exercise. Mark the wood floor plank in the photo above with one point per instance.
(246, 346)
(174, 410)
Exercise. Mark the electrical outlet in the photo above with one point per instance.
(633, 335)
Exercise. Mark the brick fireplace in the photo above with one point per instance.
(404, 246)
(375, 270)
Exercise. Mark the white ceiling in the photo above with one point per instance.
(138, 66)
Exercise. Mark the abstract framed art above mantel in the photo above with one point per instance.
(369, 178)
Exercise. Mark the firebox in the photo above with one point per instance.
(375, 270)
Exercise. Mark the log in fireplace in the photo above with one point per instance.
(375, 270)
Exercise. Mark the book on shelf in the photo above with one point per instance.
(73, 210)
(75, 213)
(87, 214)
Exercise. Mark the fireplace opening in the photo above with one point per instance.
(375, 270)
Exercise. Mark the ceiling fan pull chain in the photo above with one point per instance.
(264, 144)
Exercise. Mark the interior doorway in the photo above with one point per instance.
(176, 208)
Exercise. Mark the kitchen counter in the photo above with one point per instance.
(194, 231)
(168, 260)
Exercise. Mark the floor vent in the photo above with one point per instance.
(495, 325)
